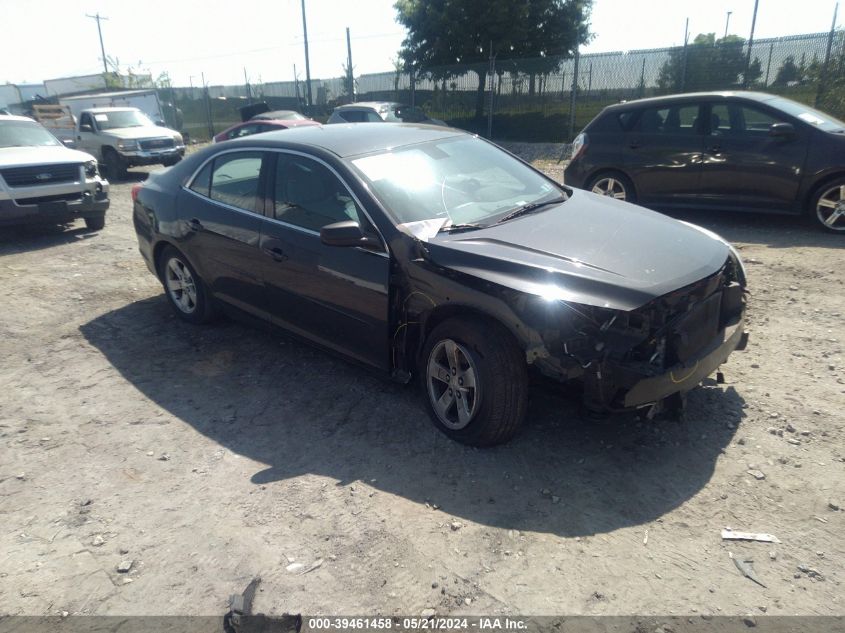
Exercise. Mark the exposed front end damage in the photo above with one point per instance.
(632, 359)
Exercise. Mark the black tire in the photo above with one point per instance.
(193, 303)
(499, 399)
(114, 166)
(827, 207)
(612, 184)
(96, 223)
(171, 161)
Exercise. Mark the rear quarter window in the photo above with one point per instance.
(607, 122)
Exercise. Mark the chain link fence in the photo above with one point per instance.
(551, 99)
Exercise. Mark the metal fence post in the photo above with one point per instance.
(208, 109)
(492, 80)
(573, 95)
(413, 80)
(823, 78)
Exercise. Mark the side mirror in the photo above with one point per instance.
(347, 233)
(85, 127)
(160, 123)
(782, 130)
(69, 143)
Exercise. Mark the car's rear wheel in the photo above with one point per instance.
(184, 289)
(95, 223)
(613, 185)
(475, 381)
(828, 206)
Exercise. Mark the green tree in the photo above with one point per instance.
(707, 64)
(443, 33)
(788, 72)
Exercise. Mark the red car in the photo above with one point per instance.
(263, 124)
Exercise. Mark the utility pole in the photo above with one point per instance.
(727, 22)
(207, 109)
(750, 44)
(307, 63)
(99, 17)
(350, 78)
(248, 90)
(296, 88)
(492, 72)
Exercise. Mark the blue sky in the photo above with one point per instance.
(53, 38)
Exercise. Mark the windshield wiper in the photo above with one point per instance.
(455, 228)
(530, 208)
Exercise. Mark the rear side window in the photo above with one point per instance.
(679, 119)
(202, 182)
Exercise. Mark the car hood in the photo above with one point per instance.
(147, 131)
(591, 249)
(50, 155)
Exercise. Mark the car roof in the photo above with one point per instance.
(367, 104)
(352, 139)
(693, 96)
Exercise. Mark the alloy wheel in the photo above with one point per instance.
(830, 208)
(181, 286)
(453, 384)
(610, 187)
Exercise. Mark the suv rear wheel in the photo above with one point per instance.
(475, 381)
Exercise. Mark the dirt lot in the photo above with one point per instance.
(207, 455)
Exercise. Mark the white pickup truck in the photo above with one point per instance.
(118, 137)
(44, 182)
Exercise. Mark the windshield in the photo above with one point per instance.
(121, 118)
(807, 114)
(461, 180)
(25, 134)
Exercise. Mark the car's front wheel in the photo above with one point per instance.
(828, 206)
(475, 381)
(95, 223)
(184, 289)
(613, 185)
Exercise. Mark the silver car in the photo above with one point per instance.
(380, 111)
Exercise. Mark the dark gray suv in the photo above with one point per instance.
(744, 151)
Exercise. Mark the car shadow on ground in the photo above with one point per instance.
(765, 229)
(300, 410)
(21, 239)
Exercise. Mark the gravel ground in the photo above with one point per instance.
(199, 457)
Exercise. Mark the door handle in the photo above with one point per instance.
(714, 149)
(195, 225)
(276, 253)
(634, 144)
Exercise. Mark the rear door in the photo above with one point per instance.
(744, 167)
(336, 296)
(221, 216)
(663, 154)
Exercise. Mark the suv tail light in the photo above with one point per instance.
(579, 146)
(135, 189)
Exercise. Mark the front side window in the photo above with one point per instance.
(310, 196)
(461, 180)
(86, 119)
(235, 179)
(739, 120)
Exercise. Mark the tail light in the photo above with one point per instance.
(135, 189)
(579, 146)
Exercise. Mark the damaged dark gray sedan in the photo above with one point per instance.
(432, 254)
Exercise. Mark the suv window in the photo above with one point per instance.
(309, 195)
(679, 119)
(235, 180)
